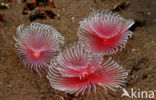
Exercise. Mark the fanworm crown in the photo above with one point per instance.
(78, 72)
(37, 44)
(104, 32)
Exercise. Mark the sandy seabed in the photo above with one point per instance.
(138, 57)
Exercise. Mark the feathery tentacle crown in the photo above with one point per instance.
(78, 72)
(104, 32)
(37, 44)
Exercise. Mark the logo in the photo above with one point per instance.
(137, 93)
